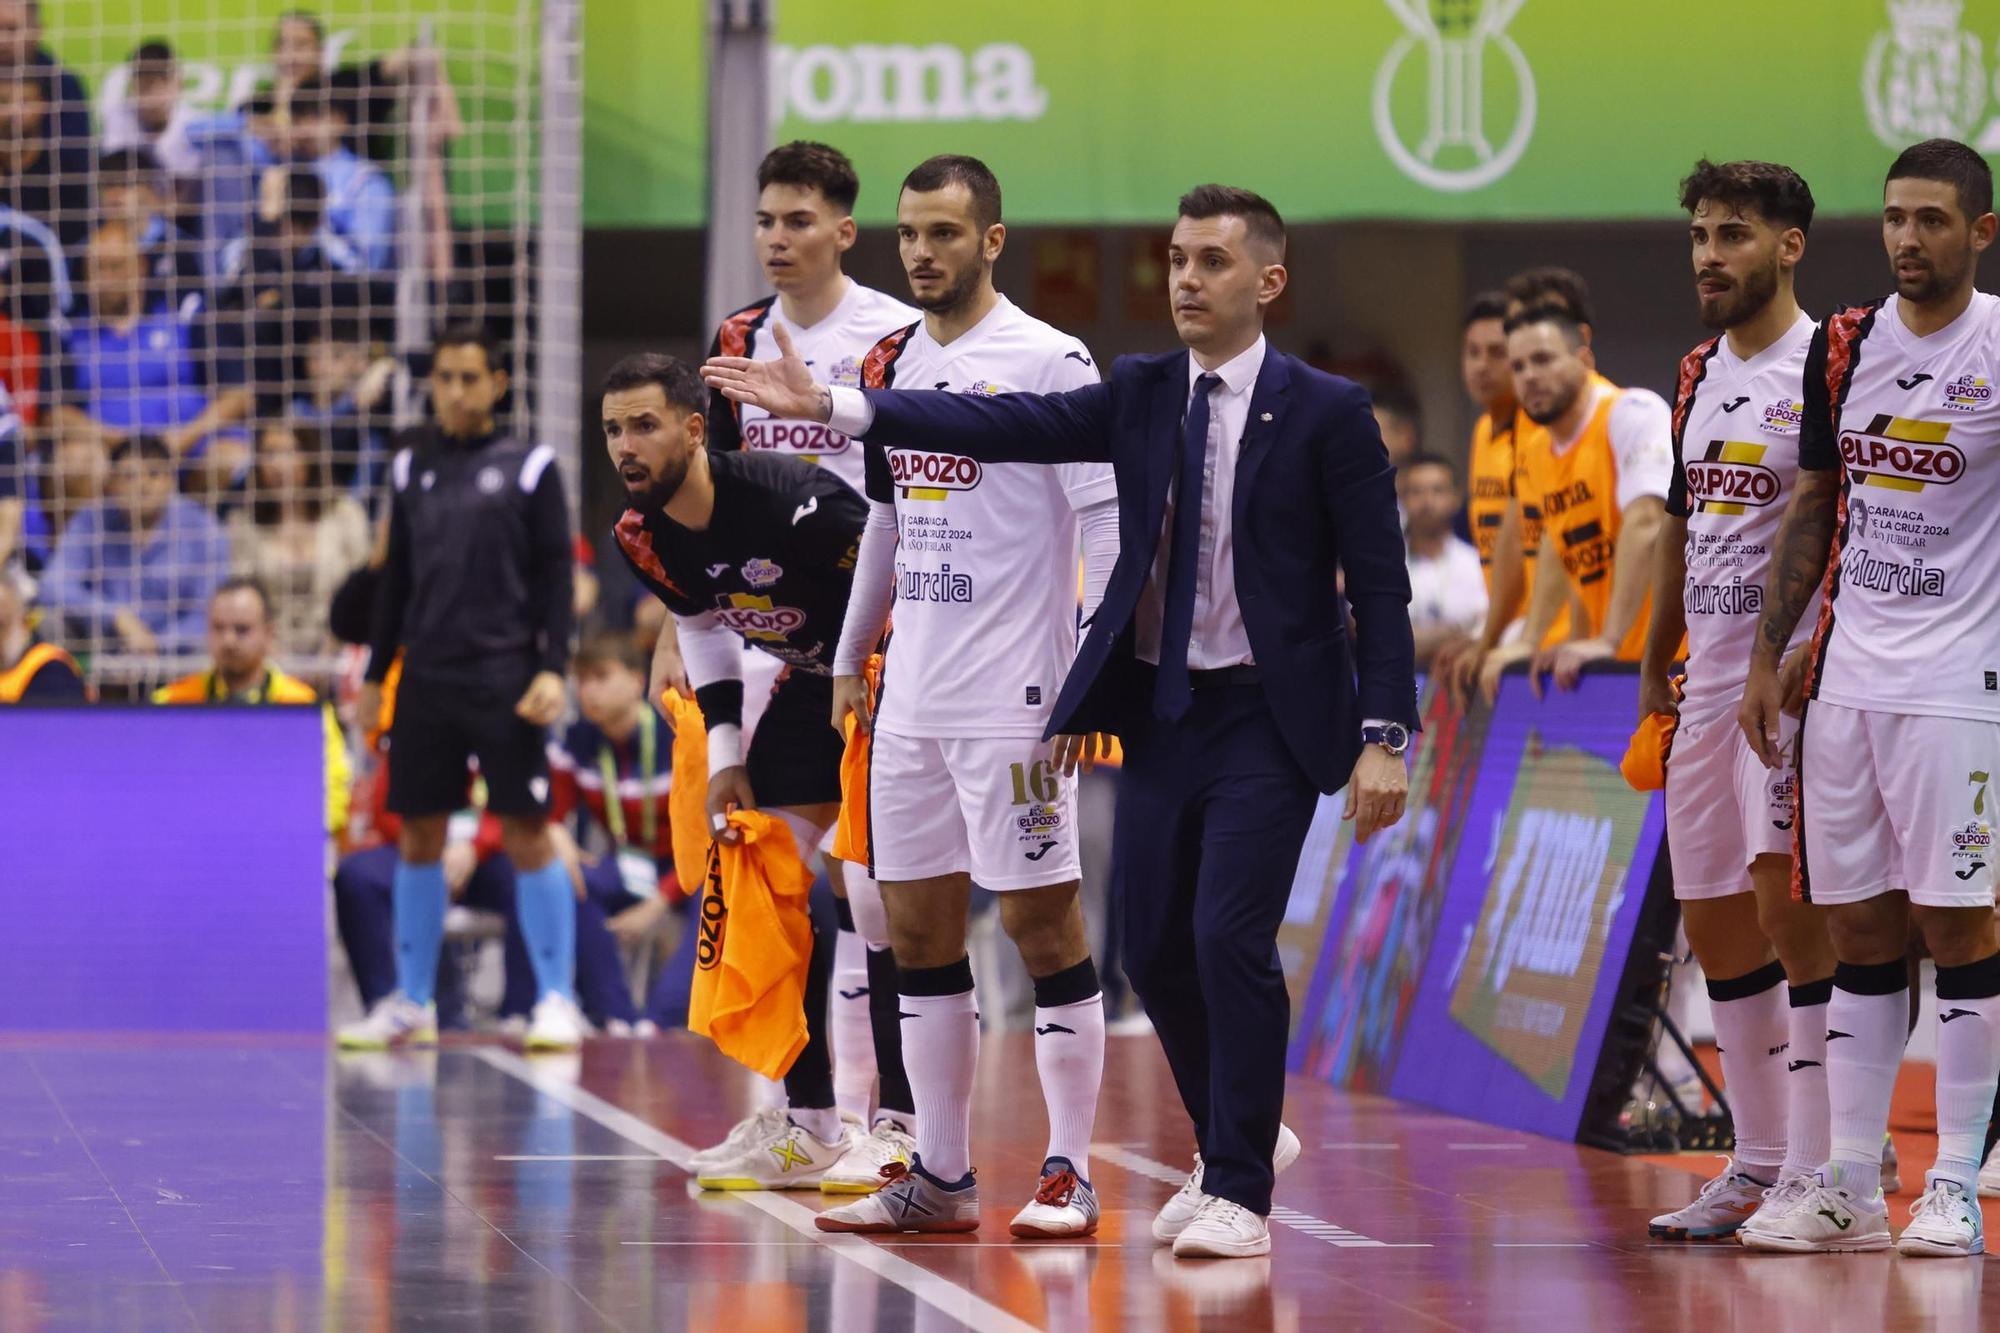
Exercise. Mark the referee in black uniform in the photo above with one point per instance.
(476, 599)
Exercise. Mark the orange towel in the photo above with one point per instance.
(687, 798)
(850, 831)
(755, 949)
(1645, 761)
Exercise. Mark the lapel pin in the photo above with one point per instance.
(1265, 417)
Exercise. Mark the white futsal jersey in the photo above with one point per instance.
(983, 628)
(1911, 622)
(1736, 457)
(832, 349)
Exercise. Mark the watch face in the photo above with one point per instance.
(1396, 737)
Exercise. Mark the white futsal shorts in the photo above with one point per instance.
(997, 807)
(1895, 801)
(1724, 808)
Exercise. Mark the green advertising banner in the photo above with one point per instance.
(491, 50)
(1421, 109)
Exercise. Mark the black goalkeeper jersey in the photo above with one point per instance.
(774, 564)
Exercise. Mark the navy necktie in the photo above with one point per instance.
(1171, 692)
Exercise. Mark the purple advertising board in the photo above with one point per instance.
(1471, 956)
(164, 869)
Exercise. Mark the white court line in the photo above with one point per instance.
(948, 1297)
(1318, 1228)
(1541, 1245)
(578, 1157)
(1487, 1147)
(1361, 1147)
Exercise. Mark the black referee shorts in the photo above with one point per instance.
(439, 725)
(795, 753)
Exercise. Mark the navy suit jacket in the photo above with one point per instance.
(1315, 495)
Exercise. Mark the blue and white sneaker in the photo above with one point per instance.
(1064, 1204)
(911, 1199)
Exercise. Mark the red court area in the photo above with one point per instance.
(231, 1184)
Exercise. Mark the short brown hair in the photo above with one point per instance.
(1773, 192)
(605, 650)
(1260, 216)
(1957, 165)
(947, 169)
(1552, 285)
(815, 166)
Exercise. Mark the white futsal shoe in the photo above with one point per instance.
(1177, 1212)
(791, 1159)
(1064, 1205)
(1945, 1223)
(556, 1025)
(1989, 1175)
(859, 1170)
(1222, 1229)
(911, 1199)
(761, 1123)
(1825, 1220)
(394, 1022)
(1717, 1213)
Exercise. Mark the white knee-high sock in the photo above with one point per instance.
(850, 1033)
(1867, 1022)
(941, 1052)
(1752, 1032)
(1968, 1065)
(1069, 1055)
(1808, 1133)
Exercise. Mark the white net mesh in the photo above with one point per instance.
(229, 232)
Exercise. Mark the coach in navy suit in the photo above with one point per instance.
(1247, 482)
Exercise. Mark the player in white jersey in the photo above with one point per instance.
(1729, 818)
(980, 564)
(805, 224)
(1897, 509)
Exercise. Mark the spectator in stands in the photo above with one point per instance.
(21, 47)
(20, 353)
(26, 532)
(369, 93)
(139, 363)
(241, 634)
(132, 188)
(297, 535)
(152, 117)
(1399, 419)
(1447, 587)
(360, 199)
(135, 570)
(345, 389)
(613, 770)
(31, 671)
(44, 208)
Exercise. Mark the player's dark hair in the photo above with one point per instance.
(1771, 190)
(811, 165)
(1486, 305)
(1552, 285)
(1421, 459)
(603, 650)
(1565, 321)
(677, 380)
(946, 169)
(1952, 162)
(470, 335)
(1260, 216)
(154, 51)
(244, 583)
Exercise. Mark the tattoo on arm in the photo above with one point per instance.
(1805, 543)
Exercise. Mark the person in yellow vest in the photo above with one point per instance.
(240, 634)
(31, 671)
(1597, 467)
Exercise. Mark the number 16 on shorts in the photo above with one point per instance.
(996, 807)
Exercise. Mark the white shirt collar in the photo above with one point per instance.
(1239, 374)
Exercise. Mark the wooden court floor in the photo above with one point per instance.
(233, 1183)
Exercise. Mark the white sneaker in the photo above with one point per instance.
(1892, 1170)
(645, 1029)
(394, 1021)
(1945, 1223)
(556, 1025)
(618, 1028)
(1824, 1220)
(1989, 1175)
(1787, 1194)
(1064, 1204)
(1178, 1211)
(1222, 1229)
(761, 1123)
(911, 1199)
(792, 1159)
(859, 1170)
(1717, 1213)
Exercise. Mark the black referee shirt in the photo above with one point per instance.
(477, 587)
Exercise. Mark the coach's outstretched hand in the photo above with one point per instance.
(784, 388)
(1376, 791)
(543, 702)
(728, 791)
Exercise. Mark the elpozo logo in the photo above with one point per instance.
(1784, 416)
(1453, 151)
(1967, 393)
